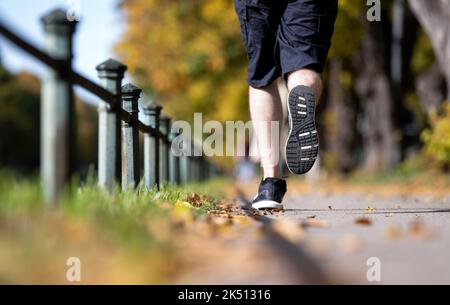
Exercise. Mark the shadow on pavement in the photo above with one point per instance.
(300, 263)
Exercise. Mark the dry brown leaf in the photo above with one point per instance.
(197, 200)
(225, 205)
(418, 230)
(363, 221)
(392, 232)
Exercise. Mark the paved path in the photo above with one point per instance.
(326, 237)
(409, 234)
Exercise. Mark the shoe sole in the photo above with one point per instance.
(267, 204)
(302, 145)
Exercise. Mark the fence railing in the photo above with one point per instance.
(119, 124)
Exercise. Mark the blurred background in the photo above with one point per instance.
(384, 114)
(385, 82)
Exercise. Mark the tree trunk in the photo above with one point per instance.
(381, 147)
(434, 16)
(342, 134)
(430, 86)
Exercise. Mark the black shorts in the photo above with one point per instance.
(282, 36)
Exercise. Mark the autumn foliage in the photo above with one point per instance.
(188, 54)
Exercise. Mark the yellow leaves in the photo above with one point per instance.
(235, 93)
(243, 221)
(182, 204)
(212, 10)
(181, 213)
(197, 90)
(189, 52)
(349, 17)
(437, 139)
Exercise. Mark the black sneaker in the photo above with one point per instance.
(302, 145)
(270, 194)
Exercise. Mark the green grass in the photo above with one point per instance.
(125, 227)
(24, 193)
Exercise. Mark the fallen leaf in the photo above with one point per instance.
(418, 230)
(363, 221)
(197, 200)
(316, 223)
(311, 217)
(182, 204)
(181, 213)
(241, 220)
(392, 232)
(225, 205)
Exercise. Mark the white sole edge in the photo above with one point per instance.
(267, 204)
(290, 130)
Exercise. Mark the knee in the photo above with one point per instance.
(305, 77)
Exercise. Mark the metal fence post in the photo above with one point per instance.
(197, 168)
(195, 163)
(57, 108)
(151, 146)
(202, 168)
(130, 138)
(111, 73)
(192, 176)
(174, 161)
(164, 150)
(184, 166)
(208, 170)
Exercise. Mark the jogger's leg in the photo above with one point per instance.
(265, 108)
(302, 146)
(308, 78)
